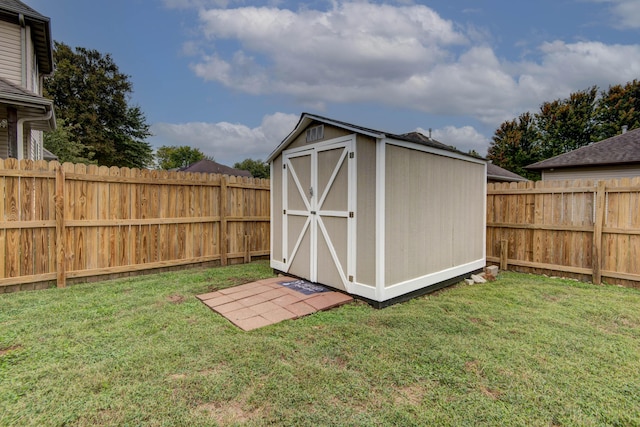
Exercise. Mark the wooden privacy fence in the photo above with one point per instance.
(72, 221)
(584, 229)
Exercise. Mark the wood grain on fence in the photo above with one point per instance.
(71, 221)
(580, 228)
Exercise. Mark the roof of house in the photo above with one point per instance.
(11, 10)
(617, 150)
(9, 89)
(306, 119)
(28, 103)
(209, 166)
(496, 173)
(48, 155)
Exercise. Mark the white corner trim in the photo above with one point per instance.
(273, 212)
(380, 217)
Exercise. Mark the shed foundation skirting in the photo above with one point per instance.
(419, 292)
(433, 280)
(367, 293)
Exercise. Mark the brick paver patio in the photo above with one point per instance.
(265, 302)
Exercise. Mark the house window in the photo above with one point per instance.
(315, 133)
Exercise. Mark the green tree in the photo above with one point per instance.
(92, 96)
(61, 143)
(258, 168)
(515, 144)
(567, 124)
(619, 106)
(171, 157)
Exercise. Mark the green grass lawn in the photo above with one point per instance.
(524, 350)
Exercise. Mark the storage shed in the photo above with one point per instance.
(377, 215)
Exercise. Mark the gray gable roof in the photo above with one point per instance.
(10, 10)
(19, 7)
(208, 166)
(28, 104)
(12, 92)
(617, 150)
(496, 173)
(415, 137)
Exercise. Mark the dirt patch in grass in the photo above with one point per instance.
(175, 299)
(553, 298)
(411, 395)
(6, 350)
(178, 376)
(492, 394)
(229, 413)
(475, 368)
(232, 412)
(337, 361)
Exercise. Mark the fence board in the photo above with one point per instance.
(76, 221)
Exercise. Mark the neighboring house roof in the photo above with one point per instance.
(306, 119)
(208, 166)
(496, 173)
(29, 103)
(11, 10)
(617, 150)
(48, 155)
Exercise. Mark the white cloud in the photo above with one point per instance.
(464, 138)
(625, 12)
(194, 4)
(227, 142)
(395, 55)
(309, 52)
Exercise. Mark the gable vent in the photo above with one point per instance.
(315, 133)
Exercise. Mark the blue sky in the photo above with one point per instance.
(232, 77)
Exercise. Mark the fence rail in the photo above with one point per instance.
(72, 221)
(586, 229)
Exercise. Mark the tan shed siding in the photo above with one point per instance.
(330, 132)
(468, 197)
(433, 216)
(276, 214)
(366, 211)
(10, 53)
(596, 173)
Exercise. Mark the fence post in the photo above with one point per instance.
(223, 220)
(247, 249)
(597, 233)
(61, 277)
(504, 252)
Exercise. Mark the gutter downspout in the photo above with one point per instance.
(23, 49)
(20, 130)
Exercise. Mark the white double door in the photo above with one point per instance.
(319, 212)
